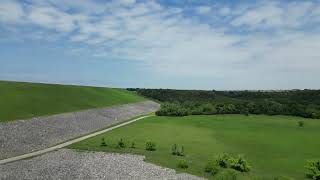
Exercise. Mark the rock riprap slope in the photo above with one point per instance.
(24, 136)
(70, 164)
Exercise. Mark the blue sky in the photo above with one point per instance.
(189, 44)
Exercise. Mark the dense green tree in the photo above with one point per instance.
(304, 103)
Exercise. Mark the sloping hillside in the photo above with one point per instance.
(20, 100)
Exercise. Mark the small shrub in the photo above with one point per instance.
(236, 163)
(174, 149)
(239, 164)
(183, 164)
(301, 123)
(313, 168)
(121, 144)
(133, 145)
(150, 146)
(181, 152)
(211, 168)
(223, 160)
(103, 142)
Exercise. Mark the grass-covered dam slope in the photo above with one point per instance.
(275, 146)
(20, 100)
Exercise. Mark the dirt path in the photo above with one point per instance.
(26, 136)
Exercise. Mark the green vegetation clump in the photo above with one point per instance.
(304, 103)
(20, 100)
(239, 164)
(177, 151)
(313, 168)
(174, 149)
(150, 146)
(223, 160)
(121, 144)
(212, 168)
(103, 142)
(133, 145)
(183, 164)
(301, 123)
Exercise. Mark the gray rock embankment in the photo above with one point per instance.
(24, 136)
(71, 164)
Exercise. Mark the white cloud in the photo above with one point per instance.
(225, 11)
(127, 2)
(267, 15)
(80, 6)
(272, 14)
(49, 17)
(203, 9)
(10, 12)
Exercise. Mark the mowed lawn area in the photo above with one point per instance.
(273, 145)
(20, 100)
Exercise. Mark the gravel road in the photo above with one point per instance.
(23, 136)
(71, 164)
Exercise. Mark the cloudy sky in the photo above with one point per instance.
(185, 44)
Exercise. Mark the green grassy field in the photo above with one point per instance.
(25, 100)
(274, 145)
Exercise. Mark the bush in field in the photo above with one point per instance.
(239, 164)
(133, 145)
(103, 142)
(223, 160)
(183, 164)
(150, 146)
(236, 163)
(313, 168)
(301, 123)
(211, 168)
(181, 152)
(176, 151)
(121, 144)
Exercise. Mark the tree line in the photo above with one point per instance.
(303, 103)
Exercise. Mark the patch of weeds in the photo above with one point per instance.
(223, 160)
(239, 164)
(236, 163)
(313, 168)
(133, 145)
(103, 142)
(150, 146)
(301, 123)
(121, 144)
(174, 149)
(212, 168)
(183, 164)
(177, 151)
